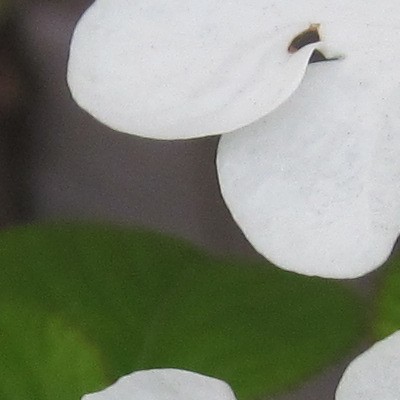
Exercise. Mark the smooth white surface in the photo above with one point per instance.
(315, 186)
(180, 69)
(165, 384)
(175, 69)
(375, 374)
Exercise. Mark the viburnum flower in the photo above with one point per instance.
(374, 375)
(308, 162)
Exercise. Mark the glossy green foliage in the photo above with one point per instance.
(144, 300)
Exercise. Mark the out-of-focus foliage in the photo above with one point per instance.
(388, 302)
(145, 301)
(43, 357)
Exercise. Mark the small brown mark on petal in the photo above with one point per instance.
(310, 35)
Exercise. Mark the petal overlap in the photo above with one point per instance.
(309, 170)
(176, 70)
(315, 185)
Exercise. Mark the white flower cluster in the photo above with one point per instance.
(309, 168)
(308, 162)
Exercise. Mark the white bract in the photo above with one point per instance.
(375, 374)
(315, 184)
(165, 384)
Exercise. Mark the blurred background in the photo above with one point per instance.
(61, 163)
(58, 163)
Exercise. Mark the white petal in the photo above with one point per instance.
(186, 68)
(315, 186)
(375, 374)
(165, 384)
(181, 69)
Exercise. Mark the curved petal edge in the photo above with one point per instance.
(173, 72)
(375, 374)
(165, 384)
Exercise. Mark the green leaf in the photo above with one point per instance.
(150, 301)
(387, 304)
(43, 357)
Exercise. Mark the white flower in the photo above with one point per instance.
(165, 384)
(314, 185)
(375, 374)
